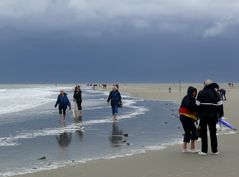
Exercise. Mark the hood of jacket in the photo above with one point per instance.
(212, 86)
(190, 91)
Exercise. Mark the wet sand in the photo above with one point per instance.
(170, 161)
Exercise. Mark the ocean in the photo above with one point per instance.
(33, 137)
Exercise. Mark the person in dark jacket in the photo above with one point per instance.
(210, 109)
(115, 99)
(188, 118)
(78, 98)
(62, 103)
(223, 94)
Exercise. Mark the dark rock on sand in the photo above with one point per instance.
(42, 158)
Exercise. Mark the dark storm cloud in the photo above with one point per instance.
(94, 17)
(127, 40)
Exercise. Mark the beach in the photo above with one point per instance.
(168, 161)
(100, 88)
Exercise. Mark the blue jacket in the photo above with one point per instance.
(63, 101)
(115, 98)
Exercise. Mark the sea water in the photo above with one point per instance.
(31, 128)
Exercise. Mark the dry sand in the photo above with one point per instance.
(169, 162)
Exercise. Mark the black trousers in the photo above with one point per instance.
(62, 109)
(79, 105)
(211, 124)
(189, 129)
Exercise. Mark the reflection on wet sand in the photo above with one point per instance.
(64, 139)
(118, 137)
(78, 123)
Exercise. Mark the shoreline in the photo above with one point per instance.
(165, 162)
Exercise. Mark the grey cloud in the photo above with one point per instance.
(215, 30)
(94, 17)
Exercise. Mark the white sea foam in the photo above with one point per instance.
(8, 142)
(19, 99)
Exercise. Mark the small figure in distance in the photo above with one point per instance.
(170, 90)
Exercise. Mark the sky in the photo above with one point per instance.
(52, 41)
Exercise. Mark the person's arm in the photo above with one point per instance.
(109, 97)
(57, 101)
(220, 111)
(198, 102)
(120, 101)
(220, 107)
(68, 102)
(119, 97)
(80, 96)
(74, 96)
(192, 104)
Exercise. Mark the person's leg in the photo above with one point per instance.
(64, 112)
(194, 135)
(113, 112)
(187, 134)
(79, 108)
(116, 109)
(60, 110)
(213, 136)
(203, 133)
(192, 145)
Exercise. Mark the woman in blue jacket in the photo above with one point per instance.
(62, 103)
(115, 99)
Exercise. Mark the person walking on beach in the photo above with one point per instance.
(115, 99)
(62, 103)
(78, 99)
(210, 109)
(188, 118)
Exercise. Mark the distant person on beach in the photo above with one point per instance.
(210, 109)
(169, 89)
(230, 84)
(188, 118)
(62, 103)
(78, 99)
(115, 99)
(104, 86)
